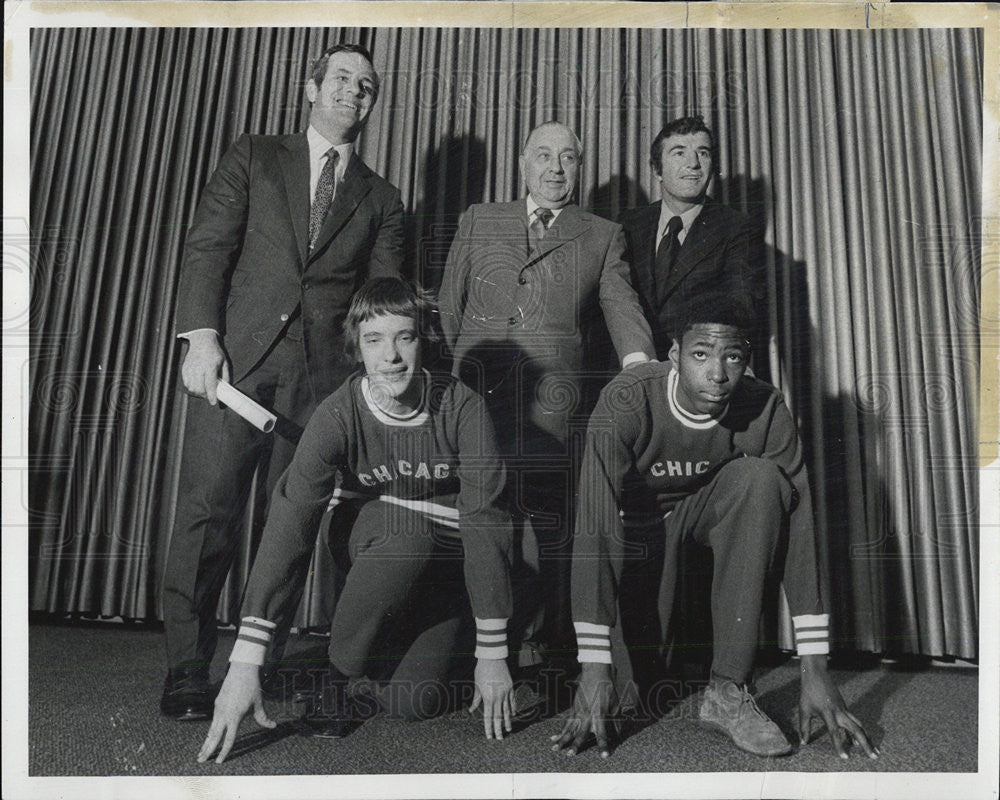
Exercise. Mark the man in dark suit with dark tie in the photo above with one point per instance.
(287, 229)
(687, 244)
(525, 287)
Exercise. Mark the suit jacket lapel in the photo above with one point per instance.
(349, 193)
(565, 228)
(294, 161)
(701, 241)
(645, 250)
(505, 226)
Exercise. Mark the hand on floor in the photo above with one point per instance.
(240, 691)
(495, 691)
(595, 702)
(820, 696)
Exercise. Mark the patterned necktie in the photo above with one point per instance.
(540, 224)
(324, 195)
(666, 253)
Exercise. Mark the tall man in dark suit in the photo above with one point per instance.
(287, 228)
(686, 245)
(524, 288)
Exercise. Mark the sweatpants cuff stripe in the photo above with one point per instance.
(594, 657)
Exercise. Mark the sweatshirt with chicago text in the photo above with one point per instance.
(644, 454)
(441, 462)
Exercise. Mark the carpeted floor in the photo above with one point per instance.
(93, 710)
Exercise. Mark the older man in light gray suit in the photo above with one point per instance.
(527, 289)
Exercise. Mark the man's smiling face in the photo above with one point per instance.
(685, 169)
(550, 165)
(389, 345)
(342, 103)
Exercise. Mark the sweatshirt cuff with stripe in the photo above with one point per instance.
(255, 635)
(812, 637)
(491, 638)
(252, 641)
(812, 634)
(593, 643)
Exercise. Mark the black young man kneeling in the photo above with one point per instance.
(695, 447)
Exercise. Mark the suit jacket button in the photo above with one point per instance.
(522, 280)
(284, 317)
(306, 286)
(512, 321)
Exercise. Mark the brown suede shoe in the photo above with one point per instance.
(731, 709)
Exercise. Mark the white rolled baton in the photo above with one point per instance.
(251, 411)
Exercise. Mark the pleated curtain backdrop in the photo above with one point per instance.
(856, 153)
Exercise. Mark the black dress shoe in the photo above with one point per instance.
(273, 684)
(291, 684)
(187, 694)
(329, 712)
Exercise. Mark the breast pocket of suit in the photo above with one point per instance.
(236, 294)
(239, 286)
(239, 277)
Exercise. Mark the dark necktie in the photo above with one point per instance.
(324, 195)
(540, 224)
(666, 253)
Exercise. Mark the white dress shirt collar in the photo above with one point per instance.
(687, 219)
(318, 145)
(533, 207)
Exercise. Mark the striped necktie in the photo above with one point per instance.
(539, 225)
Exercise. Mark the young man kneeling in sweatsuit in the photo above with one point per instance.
(695, 447)
(418, 528)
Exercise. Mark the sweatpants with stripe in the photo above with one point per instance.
(741, 514)
(403, 617)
